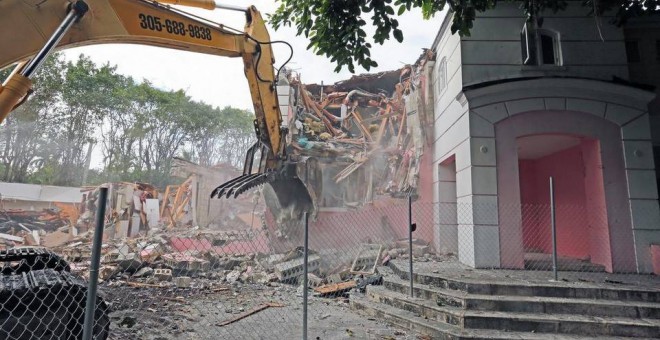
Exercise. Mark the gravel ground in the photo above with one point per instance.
(167, 314)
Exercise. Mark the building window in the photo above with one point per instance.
(540, 47)
(632, 51)
(547, 49)
(442, 75)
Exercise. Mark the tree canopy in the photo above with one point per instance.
(135, 128)
(335, 29)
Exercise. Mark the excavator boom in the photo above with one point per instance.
(57, 24)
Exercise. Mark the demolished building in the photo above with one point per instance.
(368, 140)
(367, 133)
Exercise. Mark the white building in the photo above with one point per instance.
(515, 105)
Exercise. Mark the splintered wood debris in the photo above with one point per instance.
(368, 132)
(335, 288)
(250, 312)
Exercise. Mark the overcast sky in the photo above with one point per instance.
(220, 80)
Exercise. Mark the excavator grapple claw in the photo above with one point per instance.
(289, 190)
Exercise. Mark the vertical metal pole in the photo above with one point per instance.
(410, 247)
(554, 229)
(94, 268)
(306, 253)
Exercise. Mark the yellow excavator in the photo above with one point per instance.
(30, 30)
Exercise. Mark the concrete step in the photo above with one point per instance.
(526, 304)
(518, 322)
(578, 290)
(442, 331)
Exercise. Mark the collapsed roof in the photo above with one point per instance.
(367, 133)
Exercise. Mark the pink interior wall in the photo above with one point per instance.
(582, 230)
(566, 167)
(612, 167)
(534, 214)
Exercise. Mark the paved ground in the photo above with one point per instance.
(153, 314)
(169, 313)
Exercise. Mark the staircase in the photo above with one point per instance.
(446, 307)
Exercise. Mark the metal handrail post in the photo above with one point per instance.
(554, 229)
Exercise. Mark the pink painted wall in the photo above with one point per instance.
(612, 171)
(581, 221)
(655, 258)
(383, 221)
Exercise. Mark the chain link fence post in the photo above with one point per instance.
(94, 265)
(554, 229)
(410, 245)
(305, 274)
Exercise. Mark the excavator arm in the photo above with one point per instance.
(39, 27)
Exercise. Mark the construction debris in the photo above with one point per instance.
(182, 281)
(291, 270)
(250, 312)
(335, 289)
(367, 259)
(163, 274)
(368, 132)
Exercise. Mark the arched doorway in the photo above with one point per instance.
(574, 163)
(584, 153)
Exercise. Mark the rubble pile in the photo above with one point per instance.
(368, 132)
(23, 227)
(211, 260)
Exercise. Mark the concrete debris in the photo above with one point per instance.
(106, 272)
(420, 247)
(362, 282)
(291, 270)
(334, 278)
(182, 281)
(144, 272)
(393, 253)
(233, 276)
(367, 259)
(185, 264)
(386, 260)
(313, 280)
(129, 263)
(163, 274)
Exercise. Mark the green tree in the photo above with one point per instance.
(335, 29)
(73, 124)
(22, 140)
(139, 127)
(224, 136)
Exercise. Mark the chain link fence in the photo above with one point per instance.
(206, 283)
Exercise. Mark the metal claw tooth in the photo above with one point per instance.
(238, 184)
(224, 186)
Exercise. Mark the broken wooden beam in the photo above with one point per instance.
(248, 313)
(335, 288)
